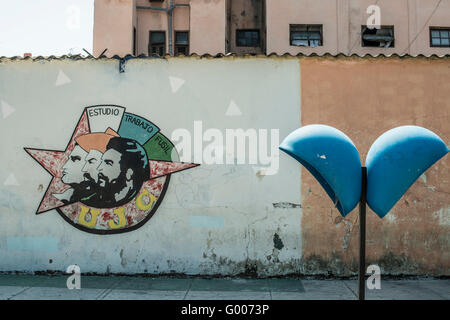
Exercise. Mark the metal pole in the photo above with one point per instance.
(169, 10)
(170, 25)
(362, 237)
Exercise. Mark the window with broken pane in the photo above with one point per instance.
(247, 38)
(306, 35)
(382, 37)
(440, 37)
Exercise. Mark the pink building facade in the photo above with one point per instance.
(271, 26)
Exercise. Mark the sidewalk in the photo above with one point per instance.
(36, 287)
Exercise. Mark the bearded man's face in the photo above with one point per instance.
(111, 178)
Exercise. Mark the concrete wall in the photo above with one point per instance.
(364, 98)
(214, 219)
(209, 30)
(208, 25)
(342, 21)
(282, 13)
(227, 218)
(427, 15)
(114, 21)
(113, 27)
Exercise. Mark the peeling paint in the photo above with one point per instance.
(277, 243)
(423, 177)
(123, 261)
(391, 218)
(286, 205)
(443, 216)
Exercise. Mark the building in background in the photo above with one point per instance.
(159, 27)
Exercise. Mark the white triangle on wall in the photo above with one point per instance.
(62, 79)
(176, 83)
(7, 110)
(233, 110)
(11, 180)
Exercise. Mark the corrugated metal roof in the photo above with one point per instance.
(221, 55)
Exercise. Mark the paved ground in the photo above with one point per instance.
(25, 287)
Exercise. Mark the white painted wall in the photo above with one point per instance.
(267, 92)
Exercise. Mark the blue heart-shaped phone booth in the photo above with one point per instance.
(395, 160)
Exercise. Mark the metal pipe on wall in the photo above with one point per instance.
(169, 11)
(170, 25)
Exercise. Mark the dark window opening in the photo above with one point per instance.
(439, 37)
(247, 38)
(383, 37)
(157, 44)
(134, 41)
(182, 42)
(306, 35)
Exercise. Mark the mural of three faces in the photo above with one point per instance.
(104, 170)
(116, 166)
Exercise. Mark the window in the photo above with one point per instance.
(182, 42)
(306, 35)
(383, 37)
(439, 37)
(134, 41)
(157, 43)
(247, 38)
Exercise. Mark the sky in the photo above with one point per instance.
(46, 27)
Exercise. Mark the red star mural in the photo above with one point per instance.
(143, 199)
